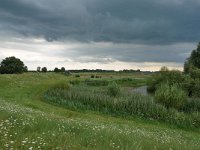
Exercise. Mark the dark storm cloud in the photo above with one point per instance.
(129, 53)
(158, 26)
(127, 21)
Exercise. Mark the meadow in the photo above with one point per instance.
(55, 111)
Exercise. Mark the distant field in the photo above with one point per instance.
(28, 122)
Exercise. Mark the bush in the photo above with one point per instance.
(74, 82)
(113, 89)
(195, 73)
(77, 76)
(192, 105)
(172, 77)
(11, 65)
(96, 82)
(191, 86)
(170, 96)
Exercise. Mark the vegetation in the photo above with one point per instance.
(59, 70)
(96, 82)
(171, 96)
(82, 97)
(12, 65)
(113, 89)
(45, 111)
(193, 61)
(26, 122)
(44, 69)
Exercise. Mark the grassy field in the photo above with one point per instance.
(27, 122)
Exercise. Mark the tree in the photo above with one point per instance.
(62, 69)
(56, 70)
(12, 65)
(193, 61)
(164, 69)
(38, 69)
(44, 69)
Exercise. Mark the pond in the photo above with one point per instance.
(142, 90)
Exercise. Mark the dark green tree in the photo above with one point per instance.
(62, 69)
(56, 70)
(44, 69)
(193, 61)
(12, 65)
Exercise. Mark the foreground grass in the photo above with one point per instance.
(28, 123)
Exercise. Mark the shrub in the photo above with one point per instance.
(74, 82)
(113, 89)
(172, 77)
(191, 86)
(195, 74)
(170, 96)
(77, 76)
(196, 88)
(96, 82)
(192, 105)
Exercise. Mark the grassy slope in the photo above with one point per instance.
(27, 122)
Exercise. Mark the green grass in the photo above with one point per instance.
(28, 122)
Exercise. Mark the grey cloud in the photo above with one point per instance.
(129, 53)
(117, 21)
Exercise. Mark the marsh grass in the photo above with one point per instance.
(85, 98)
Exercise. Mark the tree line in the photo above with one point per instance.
(13, 65)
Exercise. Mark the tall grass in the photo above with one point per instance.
(83, 98)
(170, 96)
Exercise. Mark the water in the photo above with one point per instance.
(142, 90)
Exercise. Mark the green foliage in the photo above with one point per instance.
(193, 61)
(12, 65)
(170, 96)
(31, 123)
(164, 69)
(44, 69)
(171, 77)
(192, 105)
(77, 76)
(113, 89)
(74, 82)
(191, 86)
(62, 69)
(57, 70)
(96, 82)
(130, 81)
(195, 57)
(82, 98)
(195, 73)
(62, 85)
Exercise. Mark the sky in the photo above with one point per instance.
(98, 34)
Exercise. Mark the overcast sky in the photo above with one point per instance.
(99, 34)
